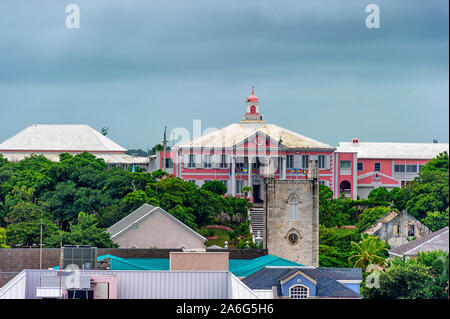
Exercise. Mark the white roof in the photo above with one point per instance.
(110, 158)
(56, 137)
(393, 150)
(235, 133)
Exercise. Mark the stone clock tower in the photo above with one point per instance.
(291, 218)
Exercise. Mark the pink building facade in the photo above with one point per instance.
(239, 154)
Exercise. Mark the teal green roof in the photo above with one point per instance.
(239, 267)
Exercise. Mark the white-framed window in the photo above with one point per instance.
(360, 166)
(323, 183)
(191, 181)
(191, 162)
(223, 160)
(305, 161)
(398, 168)
(411, 168)
(377, 167)
(293, 209)
(239, 185)
(169, 163)
(346, 164)
(207, 162)
(321, 159)
(289, 161)
(299, 292)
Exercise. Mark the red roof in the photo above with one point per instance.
(253, 97)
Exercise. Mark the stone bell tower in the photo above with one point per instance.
(291, 217)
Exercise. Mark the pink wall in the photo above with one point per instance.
(111, 280)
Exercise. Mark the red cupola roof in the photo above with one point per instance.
(253, 97)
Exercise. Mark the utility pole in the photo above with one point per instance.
(40, 248)
(164, 149)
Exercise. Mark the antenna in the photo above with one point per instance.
(164, 148)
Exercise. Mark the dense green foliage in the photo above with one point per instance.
(426, 198)
(405, 278)
(216, 187)
(58, 192)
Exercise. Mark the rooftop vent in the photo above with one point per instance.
(85, 257)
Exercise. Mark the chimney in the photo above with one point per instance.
(198, 260)
(355, 140)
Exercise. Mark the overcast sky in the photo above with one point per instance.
(136, 66)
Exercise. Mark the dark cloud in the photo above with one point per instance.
(136, 66)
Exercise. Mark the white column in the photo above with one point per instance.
(233, 178)
(283, 168)
(250, 166)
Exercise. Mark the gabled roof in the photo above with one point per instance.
(139, 215)
(393, 150)
(327, 279)
(232, 134)
(56, 137)
(438, 240)
(386, 218)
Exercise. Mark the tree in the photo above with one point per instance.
(84, 231)
(105, 130)
(399, 197)
(335, 246)
(3, 237)
(438, 263)
(371, 215)
(216, 187)
(430, 191)
(369, 251)
(436, 220)
(5, 207)
(27, 233)
(134, 200)
(380, 194)
(402, 281)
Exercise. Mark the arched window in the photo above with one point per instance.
(293, 209)
(345, 187)
(299, 292)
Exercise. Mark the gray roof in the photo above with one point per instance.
(139, 215)
(438, 240)
(326, 278)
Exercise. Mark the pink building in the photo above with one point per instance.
(238, 154)
(363, 166)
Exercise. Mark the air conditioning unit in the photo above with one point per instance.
(85, 257)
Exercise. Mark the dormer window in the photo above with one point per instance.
(299, 292)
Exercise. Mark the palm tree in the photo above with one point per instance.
(368, 251)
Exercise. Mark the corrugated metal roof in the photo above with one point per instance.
(438, 240)
(157, 284)
(393, 150)
(235, 133)
(56, 137)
